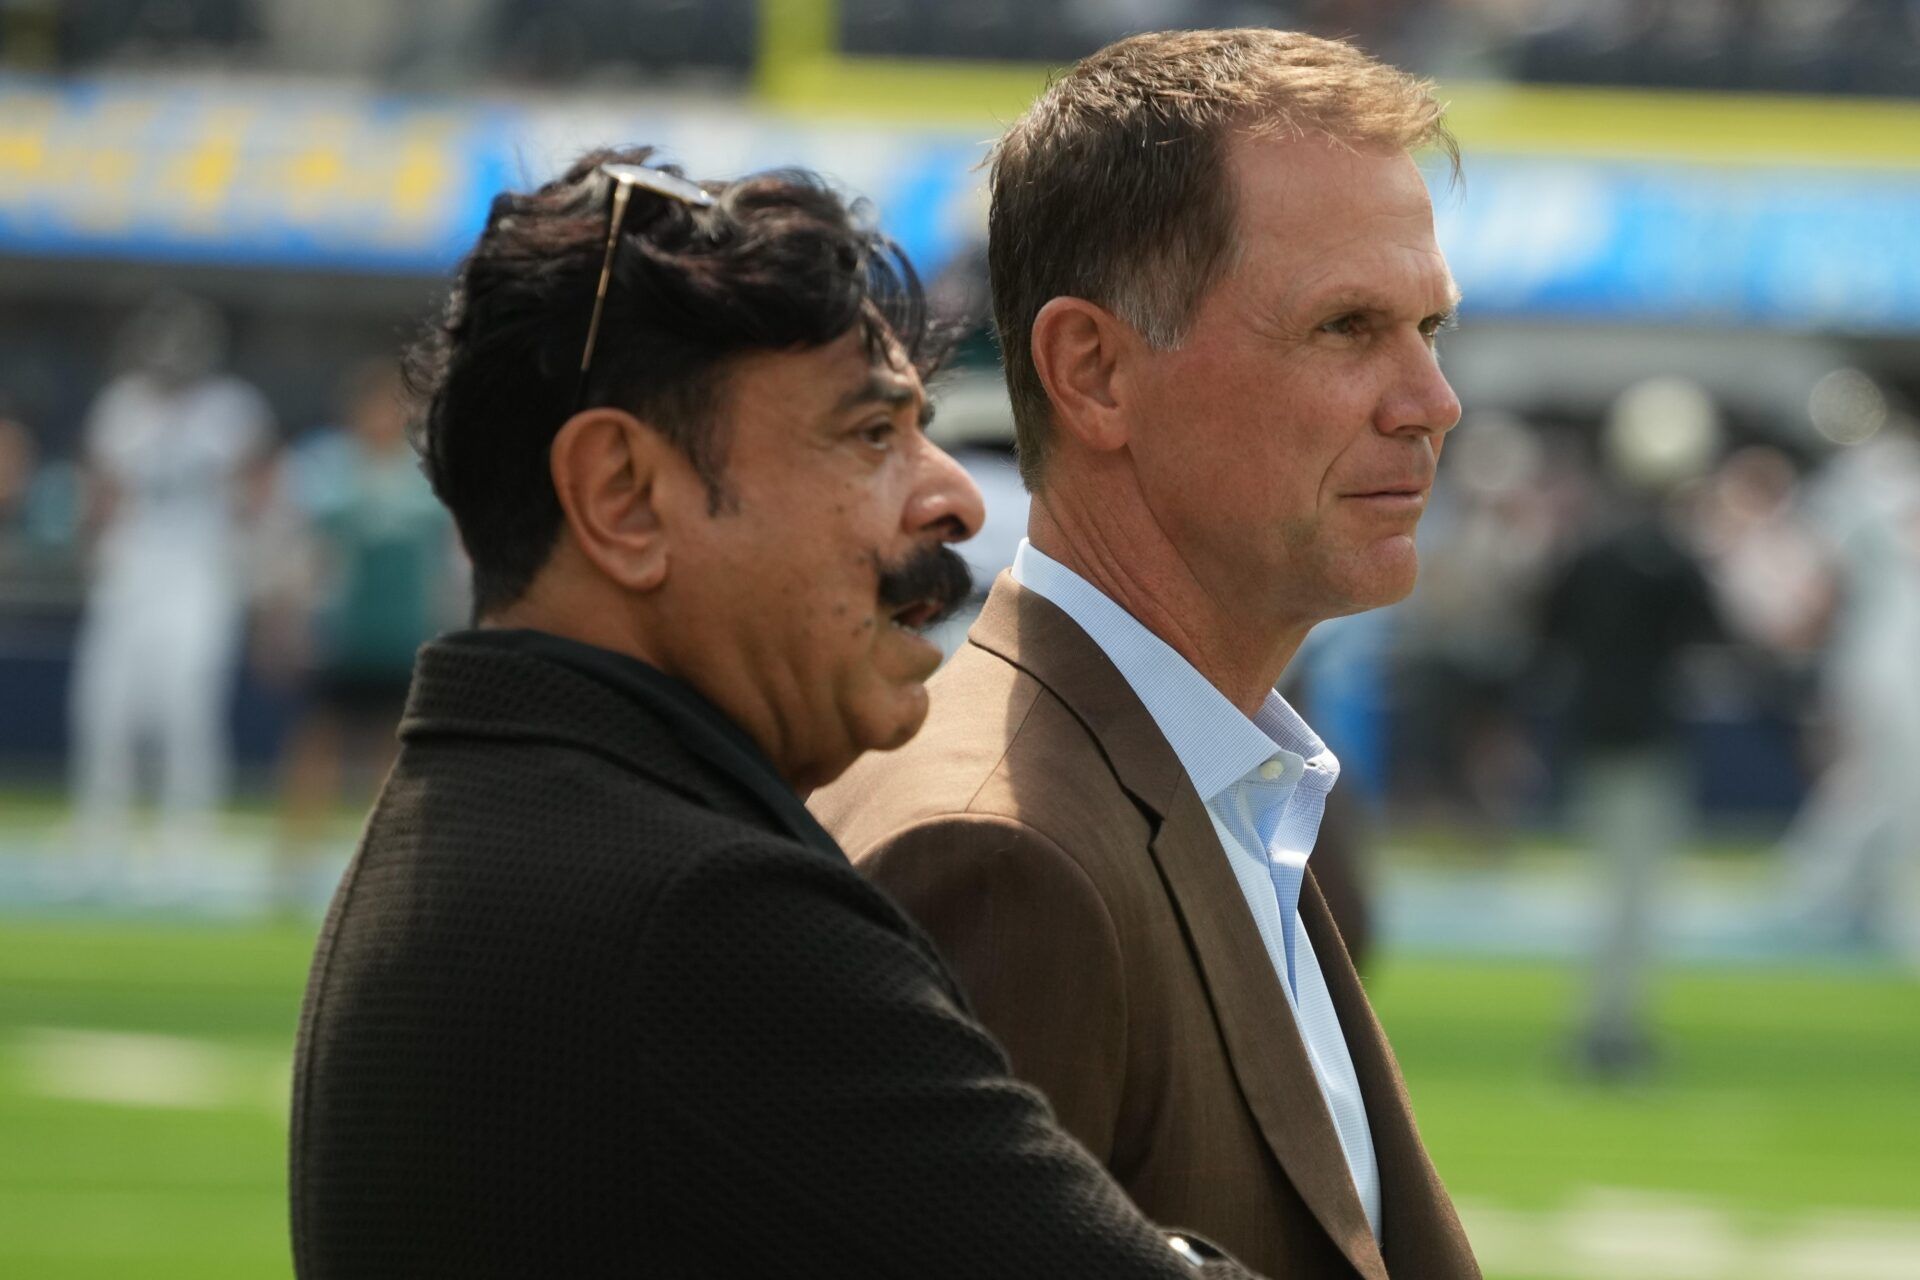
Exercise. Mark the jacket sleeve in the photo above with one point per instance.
(829, 1109)
(1035, 951)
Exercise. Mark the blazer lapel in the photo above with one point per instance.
(1269, 1058)
(1256, 1023)
(1418, 1224)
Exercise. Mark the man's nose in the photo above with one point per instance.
(946, 498)
(1424, 401)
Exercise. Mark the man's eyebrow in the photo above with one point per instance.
(1358, 298)
(891, 392)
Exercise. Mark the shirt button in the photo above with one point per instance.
(1272, 769)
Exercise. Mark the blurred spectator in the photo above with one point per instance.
(446, 40)
(1485, 553)
(1803, 46)
(29, 34)
(379, 581)
(1767, 565)
(1773, 581)
(1631, 599)
(171, 447)
(1854, 850)
(1100, 22)
(18, 461)
(134, 31)
(38, 505)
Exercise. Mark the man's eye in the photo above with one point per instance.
(878, 435)
(1346, 326)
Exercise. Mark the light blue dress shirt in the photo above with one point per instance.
(1265, 783)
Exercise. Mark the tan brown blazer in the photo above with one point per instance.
(1045, 834)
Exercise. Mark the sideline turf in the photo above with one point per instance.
(1782, 1091)
(1777, 1090)
(90, 1189)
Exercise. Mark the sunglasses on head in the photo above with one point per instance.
(625, 178)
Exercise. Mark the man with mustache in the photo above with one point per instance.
(1217, 291)
(597, 996)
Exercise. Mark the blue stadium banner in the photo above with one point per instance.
(260, 173)
(239, 174)
(1739, 245)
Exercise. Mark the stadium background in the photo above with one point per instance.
(1727, 190)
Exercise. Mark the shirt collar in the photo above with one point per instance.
(1216, 743)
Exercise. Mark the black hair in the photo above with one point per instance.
(778, 262)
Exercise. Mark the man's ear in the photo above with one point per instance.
(1079, 350)
(606, 466)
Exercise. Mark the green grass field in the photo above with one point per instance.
(142, 1098)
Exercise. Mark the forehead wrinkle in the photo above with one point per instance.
(1285, 176)
(1380, 277)
(877, 388)
(1313, 234)
(1346, 230)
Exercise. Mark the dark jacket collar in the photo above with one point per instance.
(534, 685)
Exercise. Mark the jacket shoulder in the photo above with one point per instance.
(997, 745)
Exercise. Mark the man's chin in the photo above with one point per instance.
(886, 718)
(912, 714)
(875, 728)
(1386, 577)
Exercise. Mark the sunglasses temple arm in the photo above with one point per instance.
(623, 189)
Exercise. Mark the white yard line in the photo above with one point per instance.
(1599, 1233)
(143, 1070)
(1608, 1233)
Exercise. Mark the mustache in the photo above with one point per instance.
(934, 573)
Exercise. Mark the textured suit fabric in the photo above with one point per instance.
(590, 1003)
(1045, 834)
